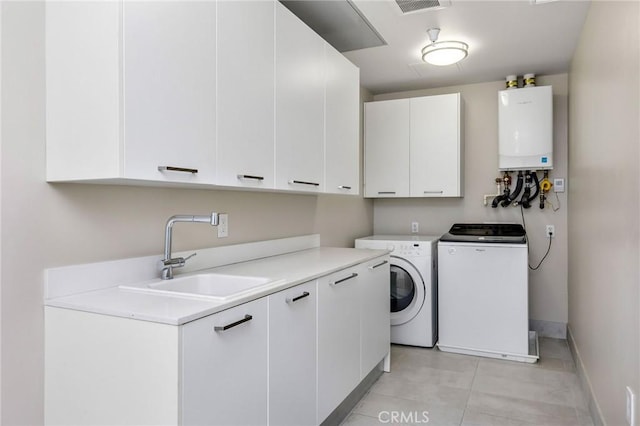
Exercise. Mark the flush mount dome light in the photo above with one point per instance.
(443, 52)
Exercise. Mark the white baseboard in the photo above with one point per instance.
(594, 408)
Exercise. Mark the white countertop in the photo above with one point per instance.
(287, 269)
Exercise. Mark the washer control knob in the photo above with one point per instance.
(391, 247)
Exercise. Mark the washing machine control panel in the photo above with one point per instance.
(409, 249)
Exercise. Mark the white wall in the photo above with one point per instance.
(45, 225)
(548, 285)
(604, 211)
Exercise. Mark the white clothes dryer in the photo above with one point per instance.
(414, 286)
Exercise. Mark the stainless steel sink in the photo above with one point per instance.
(211, 286)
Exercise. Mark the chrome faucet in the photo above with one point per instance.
(168, 263)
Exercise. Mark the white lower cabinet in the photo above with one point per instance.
(375, 317)
(292, 356)
(224, 367)
(338, 338)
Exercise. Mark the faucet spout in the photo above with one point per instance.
(168, 262)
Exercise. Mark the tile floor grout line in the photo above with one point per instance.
(466, 405)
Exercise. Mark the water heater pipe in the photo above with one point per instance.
(498, 192)
(515, 192)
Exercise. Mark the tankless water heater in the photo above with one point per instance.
(525, 123)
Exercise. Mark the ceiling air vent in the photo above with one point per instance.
(410, 6)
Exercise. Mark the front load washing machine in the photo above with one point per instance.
(414, 286)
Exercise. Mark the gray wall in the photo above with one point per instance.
(548, 285)
(604, 279)
(46, 225)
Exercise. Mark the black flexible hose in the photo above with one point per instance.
(509, 199)
(534, 175)
(496, 201)
(524, 201)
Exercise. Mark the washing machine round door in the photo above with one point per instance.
(407, 291)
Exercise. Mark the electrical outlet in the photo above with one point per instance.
(415, 227)
(558, 185)
(631, 407)
(223, 225)
(551, 231)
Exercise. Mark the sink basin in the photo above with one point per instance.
(216, 285)
(210, 286)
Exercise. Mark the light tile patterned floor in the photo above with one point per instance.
(451, 389)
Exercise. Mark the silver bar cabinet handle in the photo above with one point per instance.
(295, 299)
(384, 262)
(386, 192)
(345, 279)
(241, 177)
(344, 187)
(233, 324)
(433, 192)
(176, 169)
(301, 182)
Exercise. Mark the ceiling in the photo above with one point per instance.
(504, 37)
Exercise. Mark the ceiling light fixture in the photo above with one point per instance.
(443, 52)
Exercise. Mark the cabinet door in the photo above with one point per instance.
(169, 90)
(375, 320)
(299, 104)
(292, 356)
(342, 124)
(224, 371)
(245, 153)
(387, 148)
(435, 146)
(338, 339)
(82, 90)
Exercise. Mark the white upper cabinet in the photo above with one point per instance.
(83, 90)
(413, 147)
(299, 104)
(131, 89)
(342, 124)
(169, 90)
(245, 102)
(436, 156)
(387, 148)
(219, 93)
